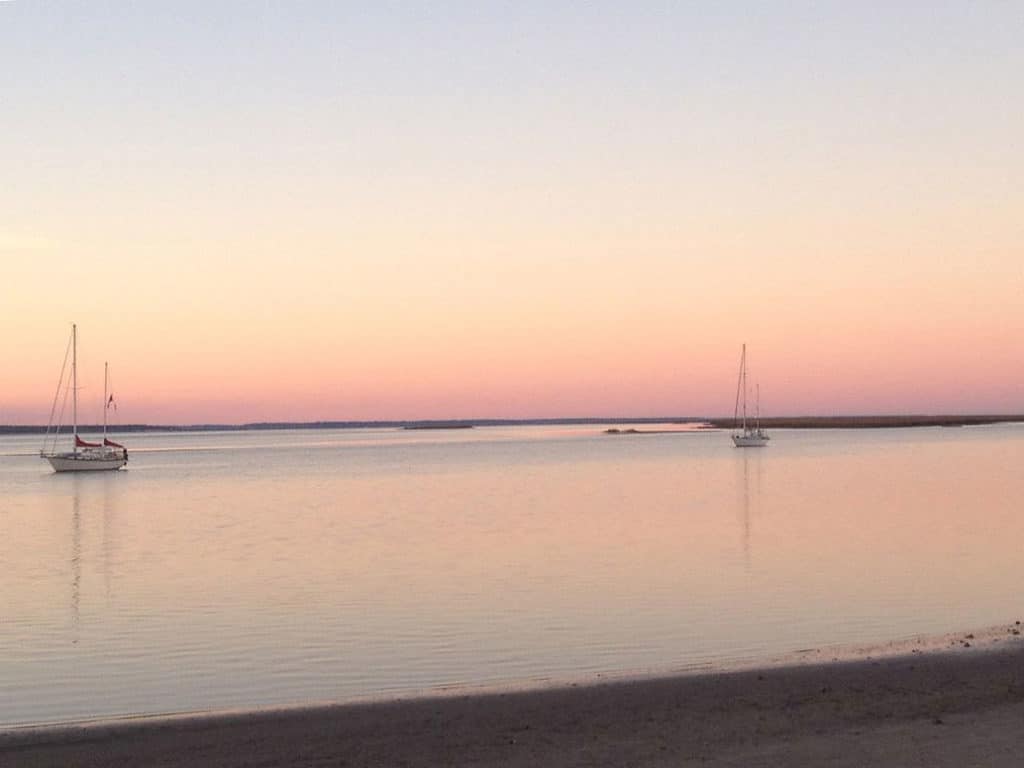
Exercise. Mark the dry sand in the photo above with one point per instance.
(961, 706)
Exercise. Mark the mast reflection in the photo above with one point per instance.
(76, 555)
(81, 494)
(749, 474)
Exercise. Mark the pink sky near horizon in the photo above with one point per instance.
(634, 361)
(310, 214)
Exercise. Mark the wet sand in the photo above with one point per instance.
(960, 706)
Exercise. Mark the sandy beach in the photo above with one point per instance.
(959, 706)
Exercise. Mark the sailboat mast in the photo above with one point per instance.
(105, 402)
(74, 385)
(736, 406)
(743, 374)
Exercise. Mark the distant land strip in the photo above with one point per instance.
(871, 422)
(390, 424)
(774, 422)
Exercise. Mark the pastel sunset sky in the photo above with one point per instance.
(327, 210)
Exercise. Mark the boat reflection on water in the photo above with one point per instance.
(749, 472)
(97, 495)
(76, 557)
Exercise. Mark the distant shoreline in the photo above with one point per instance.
(872, 422)
(445, 425)
(775, 422)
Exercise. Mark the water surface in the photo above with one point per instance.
(268, 568)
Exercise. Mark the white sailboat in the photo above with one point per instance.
(745, 434)
(83, 456)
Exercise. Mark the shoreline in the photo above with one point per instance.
(871, 422)
(718, 422)
(809, 708)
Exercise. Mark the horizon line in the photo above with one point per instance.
(806, 420)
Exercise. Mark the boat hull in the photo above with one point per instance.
(750, 441)
(85, 464)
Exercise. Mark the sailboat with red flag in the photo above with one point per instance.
(84, 456)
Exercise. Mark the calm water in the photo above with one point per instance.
(250, 569)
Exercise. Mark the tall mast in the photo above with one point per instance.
(736, 406)
(74, 384)
(743, 373)
(105, 401)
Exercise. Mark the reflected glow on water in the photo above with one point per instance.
(254, 569)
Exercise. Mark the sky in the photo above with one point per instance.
(268, 211)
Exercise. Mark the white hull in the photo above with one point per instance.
(83, 463)
(750, 441)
